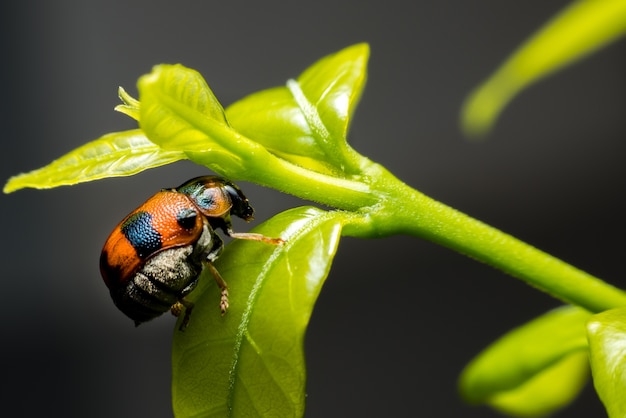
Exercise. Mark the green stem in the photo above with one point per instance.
(340, 193)
(258, 165)
(383, 205)
(407, 211)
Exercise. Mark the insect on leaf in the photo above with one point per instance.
(250, 362)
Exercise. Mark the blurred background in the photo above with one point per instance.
(398, 318)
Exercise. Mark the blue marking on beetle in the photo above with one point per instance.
(139, 231)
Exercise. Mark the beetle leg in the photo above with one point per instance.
(225, 224)
(254, 237)
(177, 309)
(222, 285)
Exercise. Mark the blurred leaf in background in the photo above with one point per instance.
(582, 28)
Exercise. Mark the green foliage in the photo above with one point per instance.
(577, 31)
(113, 155)
(293, 138)
(607, 342)
(534, 369)
(306, 122)
(251, 361)
(178, 110)
(580, 29)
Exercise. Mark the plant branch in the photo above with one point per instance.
(407, 211)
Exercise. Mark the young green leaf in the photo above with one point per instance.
(607, 344)
(534, 369)
(171, 116)
(272, 118)
(580, 29)
(250, 362)
(179, 111)
(131, 105)
(113, 155)
(171, 96)
(311, 116)
(548, 391)
(331, 89)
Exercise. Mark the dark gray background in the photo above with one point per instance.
(398, 317)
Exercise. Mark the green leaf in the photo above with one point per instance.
(113, 155)
(172, 116)
(172, 98)
(311, 116)
(580, 29)
(179, 111)
(272, 118)
(534, 369)
(332, 88)
(607, 344)
(131, 105)
(250, 362)
(546, 392)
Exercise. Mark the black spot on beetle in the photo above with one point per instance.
(139, 231)
(186, 218)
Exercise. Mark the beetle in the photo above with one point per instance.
(154, 256)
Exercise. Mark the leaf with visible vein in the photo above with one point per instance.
(310, 117)
(113, 155)
(251, 361)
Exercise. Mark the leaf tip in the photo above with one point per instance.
(359, 52)
(10, 186)
(363, 48)
(478, 114)
(21, 181)
(130, 106)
